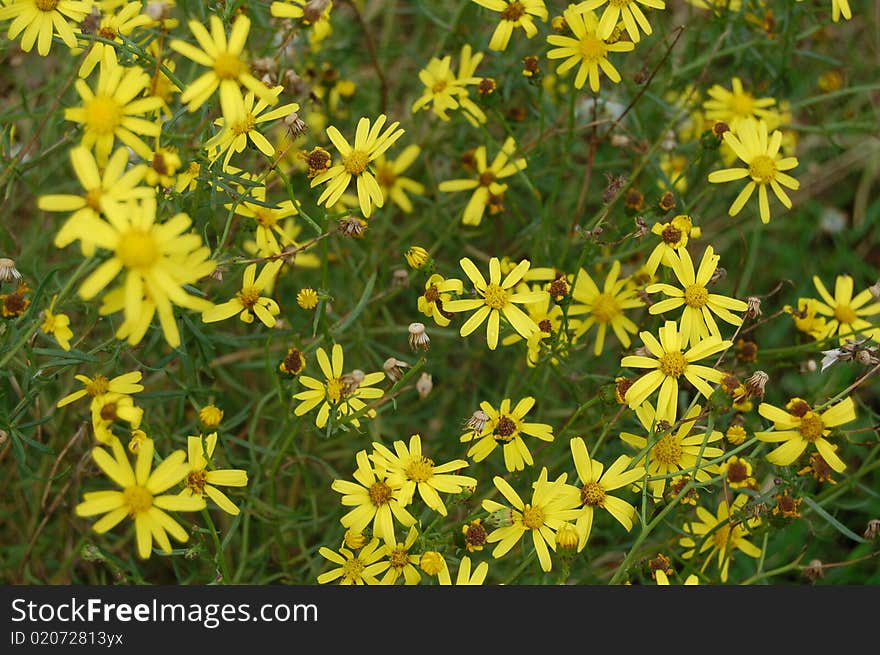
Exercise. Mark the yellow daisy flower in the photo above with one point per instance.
(343, 394)
(674, 451)
(389, 174)
(699, 304)
(765, 166)
(734, 106)
(141, 497)
(201, 481)
(114, 22)
(670, 362)
(720, 534)
(157, 260)
(505, 427)
(374, 501)
(314, 14)
(485, 185)
(411, 471)
(445, 91)
(805, 317)
(229, 71)
(550, 507)
(496, 298)
(271, 234)
(235, 135)
(465, 575)
(798, 426)
(626, 10)
(673, 235)
(596, 482)
(58, 325)
(400, 563)
(604, 308)
(369, 144)
(127, 383)
(39, 20)
(438, 292)
(514, 13)
(117, 184)
(846, 314)
(110, 407)
(114, 110)
(249, 301)
(586, 49)
(357, 568)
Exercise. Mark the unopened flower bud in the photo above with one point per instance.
(567, 538)
(354, 540)
(431, 562)
(424, 385)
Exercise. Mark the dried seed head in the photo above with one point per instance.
(814, 570)
(352, 226)
(295, 125)
(873, 529)
(875, 290)
(719, 274)
(400, 278)
(754, 307)
(477, 421)
(424, 385)
(756, 382)
(394, 368)
(8, 272)
(351, 381)
(418, 337)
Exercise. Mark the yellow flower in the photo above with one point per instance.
(839, 8)
(496, 299)
(201, 482)
(114, 110)
(663, 579)
(354, 568)
(268, 216)
(107, 408)
(157, 259)
(59, 326)
(127, 383)
(114, 22)
(721, 534)
(141, 496)
(400, 562)
(250, 302)
(465, 575)
(846, 314)
(437, 293)
(307, 298)
(595, 485)
(732, 107)
(604, 308)
(550, 508)
(343, 394)
(235, 134)
(805, 318)
(586, 49)
(514, 13)
(798, 426)
(626, 10)
(669, 363)
(210, 416)
(411, 471)
(117, 184)
(374, 500)
(369, 144)
(314, 14)
(765, 166)
(699, 304)
(228, 69)
(505, 427)
(446, 91)
(737, 472)
(675, 451)
(40, 20)
(416, 256)
(393, 184)
(673, 235)
(485, 185)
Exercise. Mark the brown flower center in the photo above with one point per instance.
(380, 493)
(592, 494)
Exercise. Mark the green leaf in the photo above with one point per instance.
(837, 525)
